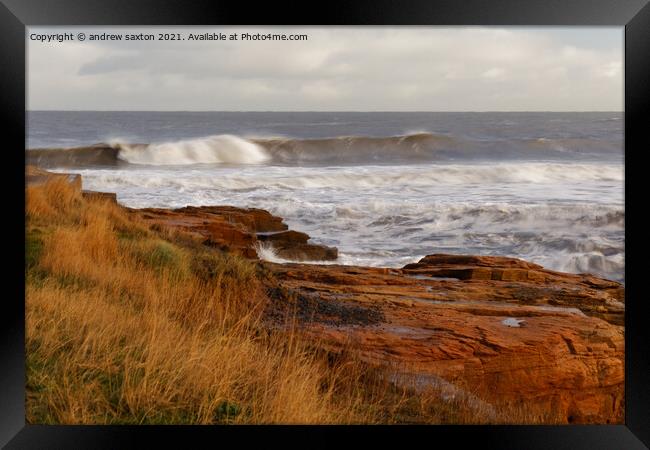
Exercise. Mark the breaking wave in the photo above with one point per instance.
(412, 178)
(266, 252)
(221, 149)
(347, 150)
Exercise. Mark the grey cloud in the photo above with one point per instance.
(111, 64)
(343, 68)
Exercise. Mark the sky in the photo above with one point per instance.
(335, 69)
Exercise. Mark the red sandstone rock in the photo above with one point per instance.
(545, 339)
(254, 220)
(238, 230)
(293, 245)
(306, 252)
(289, 236)
(36, 176)
(94, 195)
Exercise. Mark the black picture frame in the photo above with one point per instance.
(15, 15)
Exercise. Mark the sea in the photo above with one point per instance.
(385, 188)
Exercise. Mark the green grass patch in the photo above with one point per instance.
(33, 248)
(159, 255)
(209, 265)
(226, 412)
(73, 282)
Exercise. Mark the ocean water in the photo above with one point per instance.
(385, 188)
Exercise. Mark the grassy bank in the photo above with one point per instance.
(127, 324)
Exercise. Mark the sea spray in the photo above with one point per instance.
(209, 150)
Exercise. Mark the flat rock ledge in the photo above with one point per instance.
(501, 329)
(240, 231)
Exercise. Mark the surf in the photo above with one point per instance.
(219, 149)
(228, 149)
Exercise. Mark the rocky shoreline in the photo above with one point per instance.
(502, 329)
(239, 231)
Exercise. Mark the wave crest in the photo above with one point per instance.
(217, 149)
(343, 150)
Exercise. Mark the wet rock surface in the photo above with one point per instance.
(539, 337)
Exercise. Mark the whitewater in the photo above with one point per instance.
(385, 188)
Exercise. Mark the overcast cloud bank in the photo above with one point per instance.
(353, 69)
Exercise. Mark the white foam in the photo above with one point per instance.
(549, 177)
(217, 149)
(266, 252)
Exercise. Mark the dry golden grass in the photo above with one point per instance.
(55, 199)
(126, 327)
(125, 324)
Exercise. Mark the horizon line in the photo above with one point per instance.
(326, 111)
